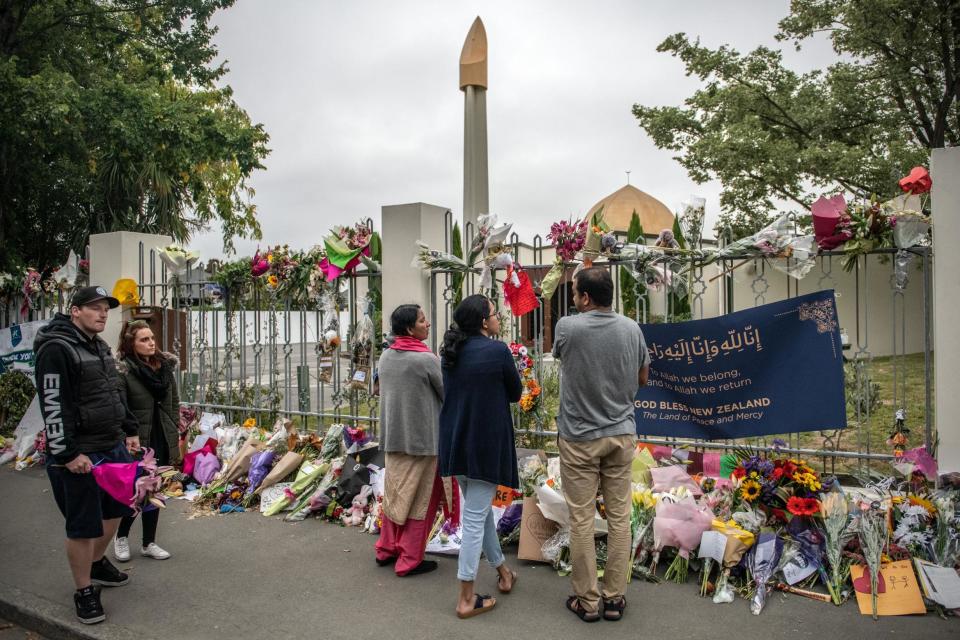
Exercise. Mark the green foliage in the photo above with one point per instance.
(266, 400)
(456, 279)
(772, 135)
(16, 393)
(113, 118)
(863, 393)
(628, 299)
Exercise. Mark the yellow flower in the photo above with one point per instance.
(249, 423)
(750, 490)
(644, 499)
(272, 280)
(923, 502)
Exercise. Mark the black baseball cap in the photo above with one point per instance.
(89, 295)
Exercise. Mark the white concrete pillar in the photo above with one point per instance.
(116, 255)
(945, 199)
(403, 225)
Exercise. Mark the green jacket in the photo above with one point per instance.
(140, 401)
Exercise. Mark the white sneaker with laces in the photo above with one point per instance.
(121, 549)
(154, 551)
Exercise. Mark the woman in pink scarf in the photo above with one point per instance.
(411, 390)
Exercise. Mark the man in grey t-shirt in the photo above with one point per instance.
(604, 361)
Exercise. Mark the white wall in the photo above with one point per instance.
(114, 256)
(945, 197)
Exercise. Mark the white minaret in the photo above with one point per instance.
(473, 83)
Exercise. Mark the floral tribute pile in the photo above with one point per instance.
(774, 523)
(530, 400)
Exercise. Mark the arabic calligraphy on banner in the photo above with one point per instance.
(709, 348)
(768, 370)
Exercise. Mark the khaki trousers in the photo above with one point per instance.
(585, 466)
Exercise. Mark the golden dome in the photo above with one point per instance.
(618, 208)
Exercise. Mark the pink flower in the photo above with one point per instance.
(259, 265)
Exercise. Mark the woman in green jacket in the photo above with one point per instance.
(150, 384)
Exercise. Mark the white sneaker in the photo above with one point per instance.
(121, 549)
(155, 552)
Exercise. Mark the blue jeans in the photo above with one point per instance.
(477, 528)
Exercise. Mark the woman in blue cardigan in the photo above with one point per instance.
(480, 380)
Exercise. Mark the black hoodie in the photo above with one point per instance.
(80, 392)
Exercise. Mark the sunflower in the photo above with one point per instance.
(750, 490)
(922, 502)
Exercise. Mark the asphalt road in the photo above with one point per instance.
(245, 576)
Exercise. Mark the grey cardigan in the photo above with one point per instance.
(411, 391)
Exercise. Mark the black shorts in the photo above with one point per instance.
(81, 500)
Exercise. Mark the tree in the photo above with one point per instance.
(628, 298)
(773, 136)
(112, 118)
(456, 279)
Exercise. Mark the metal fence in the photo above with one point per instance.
(248, 353)
(895, 285)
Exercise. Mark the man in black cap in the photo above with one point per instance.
(87, 422)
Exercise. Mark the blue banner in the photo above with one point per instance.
(772, 369)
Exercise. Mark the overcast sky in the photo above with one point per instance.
(362, 104)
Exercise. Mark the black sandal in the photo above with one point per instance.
(574, 604)
(478, 606)
(613, 609)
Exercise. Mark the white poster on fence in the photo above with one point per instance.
(16, 346)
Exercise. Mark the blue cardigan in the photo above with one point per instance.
(476, 428)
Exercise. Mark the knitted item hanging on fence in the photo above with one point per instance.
(518, 291)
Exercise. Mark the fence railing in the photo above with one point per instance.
(249, 353)
(885, 308)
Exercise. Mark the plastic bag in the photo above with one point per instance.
(555, 544)
(25, 435)
(553, 506)
(205, 467)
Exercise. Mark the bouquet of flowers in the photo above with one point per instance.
(276, 267)
(530, 399)
(533, 473)
(177, 259)
(568, 239)
(872, 531)
(594, 243)
(835, 514)
(762, 562)
(778, 243)
(914, 520)
(642, 512)
(782, 488)
(680, 524)
(346, 248)
(67, 275)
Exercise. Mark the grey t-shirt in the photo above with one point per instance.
(600, 353)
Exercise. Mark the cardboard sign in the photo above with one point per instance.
(899, 595)
(534, 531)
(503, 497)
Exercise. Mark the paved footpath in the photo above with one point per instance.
(245, 576)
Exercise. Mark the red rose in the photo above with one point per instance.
(739, 472)
(917, 182)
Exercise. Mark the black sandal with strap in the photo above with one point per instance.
(574, 604)
(478, 606)
(613, 609)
